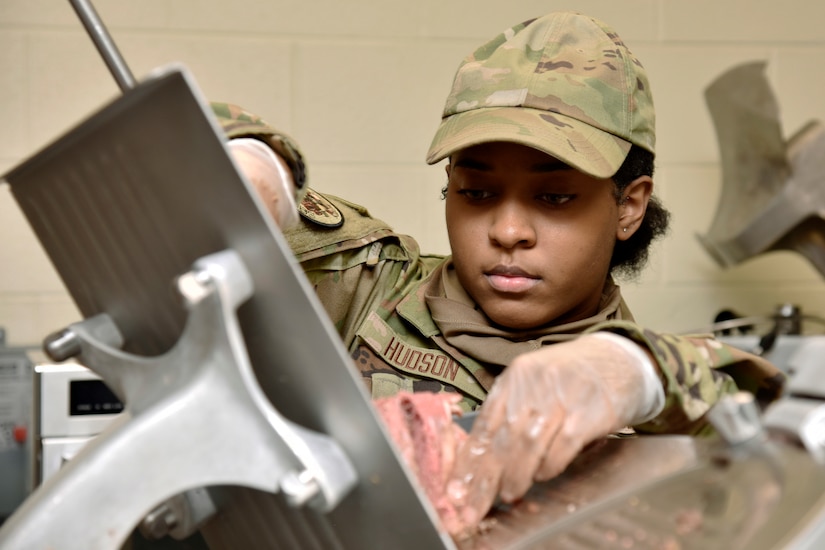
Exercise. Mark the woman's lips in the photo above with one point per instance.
(511, 279)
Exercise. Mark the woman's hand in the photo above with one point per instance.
(271, 177)
(543, 409)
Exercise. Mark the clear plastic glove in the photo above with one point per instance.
(271, 177)
(543, 409)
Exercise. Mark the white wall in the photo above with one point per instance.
(360, 84)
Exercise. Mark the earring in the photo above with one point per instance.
(625, 230)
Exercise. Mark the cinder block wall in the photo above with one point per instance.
(360, 84)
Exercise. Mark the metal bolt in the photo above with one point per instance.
(299, 488)
(62, 345)
(788, 319)
(159, 522)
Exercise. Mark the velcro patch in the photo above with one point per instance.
(319, 210)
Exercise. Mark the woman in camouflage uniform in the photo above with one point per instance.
(549, 132)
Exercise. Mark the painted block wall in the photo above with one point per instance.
(361, 83)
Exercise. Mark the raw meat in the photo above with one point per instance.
(421, 425)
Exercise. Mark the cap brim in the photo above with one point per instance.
(571, 141)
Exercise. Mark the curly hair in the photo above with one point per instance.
(630, 256)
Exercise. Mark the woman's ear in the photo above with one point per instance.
(633, 205)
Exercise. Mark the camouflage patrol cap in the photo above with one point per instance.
(564, 83)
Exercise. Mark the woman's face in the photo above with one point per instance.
(531, 237)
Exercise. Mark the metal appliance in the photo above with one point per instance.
(15, 425)
(72, 406)
(199, 372)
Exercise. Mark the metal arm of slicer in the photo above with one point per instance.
(104, 44)
(194, 417)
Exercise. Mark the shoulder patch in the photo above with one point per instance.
(318, 209)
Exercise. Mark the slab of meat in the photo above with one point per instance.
(421, 424)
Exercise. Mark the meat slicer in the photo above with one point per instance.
(243, 419)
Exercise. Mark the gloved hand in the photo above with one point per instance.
(543, 409)
(271, 177)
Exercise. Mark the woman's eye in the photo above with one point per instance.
(475, 194)
(557, 199)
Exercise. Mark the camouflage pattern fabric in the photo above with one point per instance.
(697, 371)
(564, 83)
(371, 280)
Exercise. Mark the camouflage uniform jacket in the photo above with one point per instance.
(370, 281)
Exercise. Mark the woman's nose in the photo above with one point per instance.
(512, 226)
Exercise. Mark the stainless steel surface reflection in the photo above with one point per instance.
(606, 468)
(669, 493)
